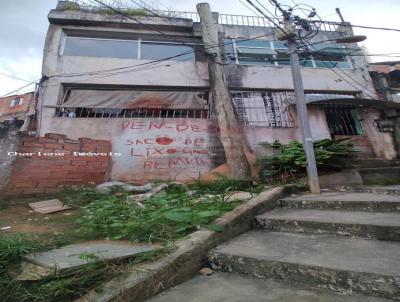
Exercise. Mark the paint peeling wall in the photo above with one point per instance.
(172, 148)
(382, 143)
(168, 149)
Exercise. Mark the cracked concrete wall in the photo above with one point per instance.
(381, 142)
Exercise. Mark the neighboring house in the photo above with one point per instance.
(16, 114)
(17, 107)
(105, 77)
(386, 77)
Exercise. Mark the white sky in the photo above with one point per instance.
(23, 26)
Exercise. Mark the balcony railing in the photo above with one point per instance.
(224, 19)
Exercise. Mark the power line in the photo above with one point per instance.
(287, 15)
(344, 73)
(14, 77)
(271, 14)
(162, 4)
(249, 7)
(367, 27)
(266, 16)
(132, 18)
(154, 61)
(16, 90)
(151, 10)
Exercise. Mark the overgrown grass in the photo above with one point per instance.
(128, 11)
(55, 287)
(225, 184)
(164, 218)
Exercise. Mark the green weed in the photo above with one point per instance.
(223, 185)
(166, 217)
(290, 162)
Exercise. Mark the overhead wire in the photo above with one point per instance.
(132, 18)
(156, 61)
(16, 90)
(369, 27)
(365, 88)
(14, 77)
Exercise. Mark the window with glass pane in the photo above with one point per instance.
(229, 50)
(155, 51)
(104, 48)
(282, 53)
(256, 52)
(330, 56)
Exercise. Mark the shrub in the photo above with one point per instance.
(165, 217)
(291, 162)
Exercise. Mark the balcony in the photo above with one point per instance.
(224, 19)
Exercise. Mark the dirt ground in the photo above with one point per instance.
(22, 219)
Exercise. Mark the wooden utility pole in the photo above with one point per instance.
(230, 134)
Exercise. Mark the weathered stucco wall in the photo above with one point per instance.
(177, 149)
(319, 130)
(319, 79)
(382, 143)
(170, 150)
(165, 149)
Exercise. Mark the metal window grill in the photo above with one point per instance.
(80, 112)
(343, 120)
(264, 109)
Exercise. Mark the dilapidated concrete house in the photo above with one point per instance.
(141, 83)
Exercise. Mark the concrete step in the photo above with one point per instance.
(345, 201)
(339, 263)
(392, 190)
(381, 226)
(372, 163)
(380, 176)
(224, 287)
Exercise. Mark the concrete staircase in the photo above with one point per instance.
(345, 242)
(376, 171)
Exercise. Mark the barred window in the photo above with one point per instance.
(264, 109)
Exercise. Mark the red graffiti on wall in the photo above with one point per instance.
(174, 145)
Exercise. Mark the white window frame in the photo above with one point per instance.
(102, 39)
(139, 41)
(276, 63)
(16, 102)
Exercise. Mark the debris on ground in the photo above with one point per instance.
(153, 192)
(131, 200)
(48, 206)
(68, 259)
(33, 272)
(206, 271)
(108, 187)
(191, 193)
(242, 196)
(229, 197)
